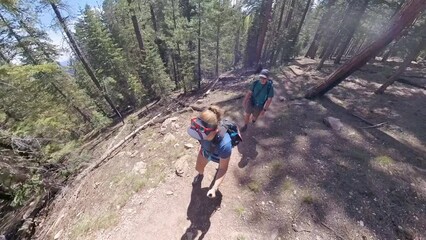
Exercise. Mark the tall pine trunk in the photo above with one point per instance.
(217, 50)
(404, 18)
(162, 47)
(265, 18)
(289, 14)
(83, 59)
(330, 46)
(299, 27)
(177, 55)
(144, 81)
(392, 46)
(313, 48)
(350, 30)
(237, 54)
(199, 46)
(276, 35)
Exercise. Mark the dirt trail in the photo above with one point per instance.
(291, 178)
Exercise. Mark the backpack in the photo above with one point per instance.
(268, 89)
(232, 129)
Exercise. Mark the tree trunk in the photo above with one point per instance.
(405, 17)
(346, 23)
(299, 28)
(186, 9)
(175, 74)
(138, 34)
(237, 56)
(217, 49)
(392, 46)
(137, 30)
(162, 47)
(265, 18)
(355, 16)
(177, 57)
(413, 53)
(199, 46)
(313, 48)
(276, 34)
(83, 59)
(290, 14)
(250, 50)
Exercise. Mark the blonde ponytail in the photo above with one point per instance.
(212, 115)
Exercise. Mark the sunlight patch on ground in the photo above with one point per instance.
(384, 164)
(408, 139)
(302, 143)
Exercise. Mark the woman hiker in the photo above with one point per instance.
(215, 143)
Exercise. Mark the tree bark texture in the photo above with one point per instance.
(265, 19)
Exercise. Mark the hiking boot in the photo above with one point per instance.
(198, 179)
(244, 128)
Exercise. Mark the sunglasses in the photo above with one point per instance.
(199, 125)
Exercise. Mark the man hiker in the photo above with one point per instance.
(258, 98)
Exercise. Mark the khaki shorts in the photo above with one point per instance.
(251, 109)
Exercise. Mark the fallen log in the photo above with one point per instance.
(405, 81)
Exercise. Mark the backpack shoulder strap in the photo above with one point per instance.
(269, 87)
(254, 85)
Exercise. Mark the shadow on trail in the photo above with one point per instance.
(248, 150)
(200, 210)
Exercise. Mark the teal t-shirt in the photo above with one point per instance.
(261, 92)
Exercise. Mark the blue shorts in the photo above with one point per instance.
(209, 156)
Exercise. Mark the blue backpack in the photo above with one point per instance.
(232, 129)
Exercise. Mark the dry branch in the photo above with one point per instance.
(211, 87)
(332, 230)
(363, 119)
(375, 126)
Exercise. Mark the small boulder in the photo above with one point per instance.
(165, 125)
(282, 99)
(333, 123)
(169, 193)
(181, 165)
